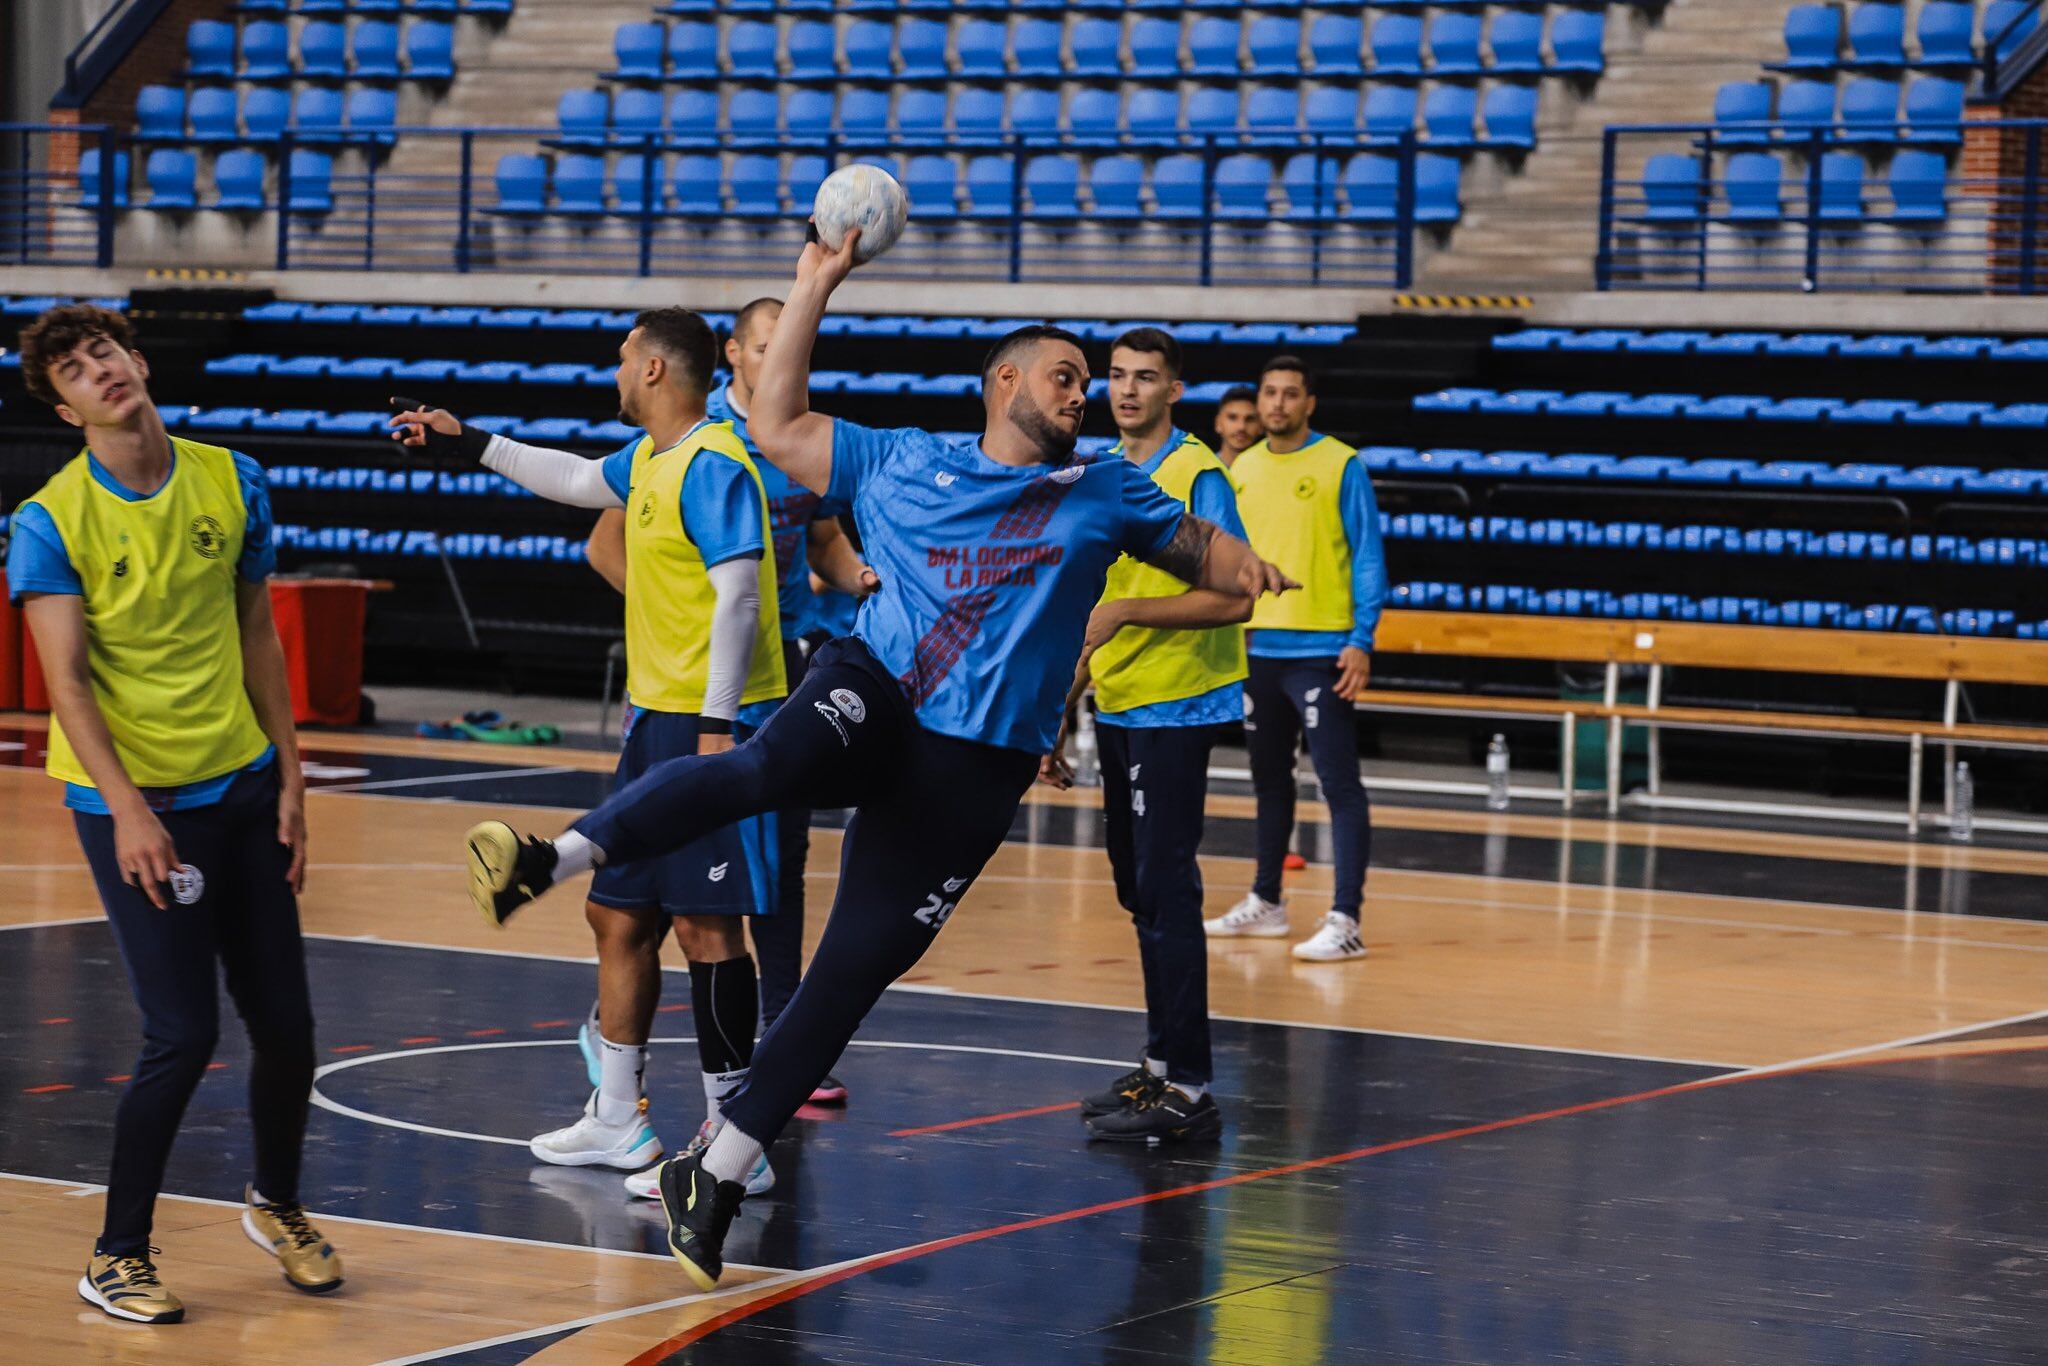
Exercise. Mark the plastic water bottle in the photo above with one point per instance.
(1087, 757)
(1962, 827)
(1497, 774)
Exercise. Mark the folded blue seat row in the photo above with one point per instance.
(1734, 408)
(460, 545)
(1407, 461)
(1820, 344)
(1743, 611)
(1579, 533)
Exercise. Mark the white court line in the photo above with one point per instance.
(1933, 1036)
(473, 776)
(53, 924)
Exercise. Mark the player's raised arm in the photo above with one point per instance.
(1204, 555)
(559, 476)
(794, 439)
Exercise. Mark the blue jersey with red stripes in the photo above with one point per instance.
(989, 571)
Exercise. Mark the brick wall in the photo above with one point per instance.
(158, 59)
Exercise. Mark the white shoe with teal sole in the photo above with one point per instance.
(589, 1142)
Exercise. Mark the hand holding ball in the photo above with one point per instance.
(864, 197)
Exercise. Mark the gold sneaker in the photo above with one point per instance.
(310, 1261)
(127, 1288)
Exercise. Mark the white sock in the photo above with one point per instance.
(1193, 1090)
(575, 854)
(718, 1089)
(621, 1069)
(731, 1155)
(1154, 1066)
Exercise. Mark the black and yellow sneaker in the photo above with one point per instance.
(505, 870)
(1164, 1116)
(127, 1288)
(310, 1262)
(700, 1210)
(1127, 1090)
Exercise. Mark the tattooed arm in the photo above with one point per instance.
(1205, 556)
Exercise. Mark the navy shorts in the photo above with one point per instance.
(729, 872)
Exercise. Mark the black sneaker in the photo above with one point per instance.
(700, 1210)
(1127, 1090)
(506, 871)
(1166, 1116)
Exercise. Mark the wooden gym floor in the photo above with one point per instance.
(1605, 1091)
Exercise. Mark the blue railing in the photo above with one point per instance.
(50, 213)
(356, 207)
(1698, 206)
(2012, 53)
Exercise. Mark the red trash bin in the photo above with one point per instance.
(10, 651)
(320, 622)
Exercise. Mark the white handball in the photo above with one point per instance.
(864, 197)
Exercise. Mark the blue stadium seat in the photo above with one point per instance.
(636, 113)
(160, 112)
(1372, 188)
(2022, 416)
(312, 182)
(1177, 187)
(920, 113)
(1806, 106)
(173, 175)
(1448, 115)
(1212, 47)
(1578, 42)
(323, 52)
(1454, 43)
(1335, 45)
(864, 46)
(991, 187)
(921, 48)
(266, 52)
(750, 50)
(1671, 188)
(1272, 114)
(1510, 115)
(1877, 35)
(1115, 184)
(1880, 412)
(807, 171)
(582, 116)
(267, 112)
(1870, 110)
(807, 114)
(1753, 184)
(980, 47)
(372, 114)
(1934, 112)
(863, 113)
(692, 51)
(1244, 186)
(578, 183)
(1310, 182)
(932, 184)
(213, 114)
(1092, 47)
(210, 49)
(1092, 114)
(1389, 110)
(1273, 43)
(1841, 188)
(1331, 111)
(1919, 185)
(1152, 112)
(1517, 42)
(809, 45)
(1813, 39)
(754, 183)
(1035, 47)
(430, 51)
(1945, 33)
(1396, 46)
(977, 111)
(751, 113)
(692, 116)
(1742, 113)
(375, 45)
(1211, 111)
(318, 113)
(639, 183)
(1053, 184)
(1155, 48)
(696, 185)
(238, 179)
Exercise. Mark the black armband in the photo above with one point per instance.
(470, 443)
(713, 725)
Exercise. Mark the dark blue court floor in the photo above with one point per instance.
(1876, 1215)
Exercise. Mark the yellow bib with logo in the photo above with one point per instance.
(163, 634)
(669, 598)
(1292, 512)
(1143, 665)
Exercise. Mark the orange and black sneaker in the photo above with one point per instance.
(1164, 1116)
(1127, 1090)
(127, 1288)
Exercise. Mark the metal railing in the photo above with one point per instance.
(1955, 208)
(2011, 53)
(669, 205)
(48, 216)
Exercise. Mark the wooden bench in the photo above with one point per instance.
(1661, 645)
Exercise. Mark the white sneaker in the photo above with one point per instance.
(1251, 918)
(590, 1143)
(647, 1185)
(1336, 939)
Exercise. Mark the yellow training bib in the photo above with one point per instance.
(1142, 665)
(669, 598)
(1293, 515)
(163, 634)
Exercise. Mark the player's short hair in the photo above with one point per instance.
(1238, 393)
(1152, 341)
(683, 337)
(1295, 364)
(60, 331)
(749, 312)
(1022, 339)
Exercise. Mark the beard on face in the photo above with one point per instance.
(1055, 443)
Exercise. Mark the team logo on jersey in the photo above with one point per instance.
(944, 480)
(121, 568)
(850, 703)
(954, 884)
(1305, 487)
(207, 537)
(718, 871)
(1067, 474)
(647, 509)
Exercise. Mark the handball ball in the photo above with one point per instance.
(864, 197)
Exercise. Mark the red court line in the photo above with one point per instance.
(45, 1090)
(215, 1066)
(58, 1019)
(351, 1048)
(484, 1033)
(663, 1350)
(985, 1119)
(549, 1024)
(122, 1077)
